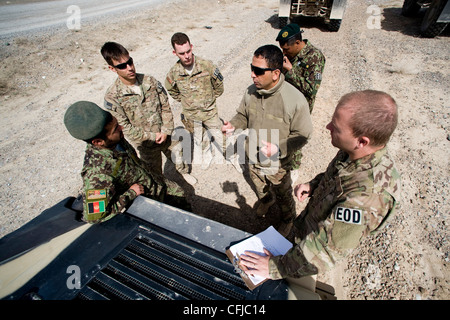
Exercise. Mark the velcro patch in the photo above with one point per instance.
(108, 105)
(94, 194)
(347, 215)
(218, 75)
(96, 207)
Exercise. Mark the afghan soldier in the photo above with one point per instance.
(303, 66)
(352, 199)
(197, 83)
(140, 104)
(113, 175)
(274, 108)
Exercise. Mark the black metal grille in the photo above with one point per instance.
(159, 265)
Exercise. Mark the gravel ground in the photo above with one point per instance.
(42, 73)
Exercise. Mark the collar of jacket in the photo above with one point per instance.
(197, 68)
(105, 152)
(364, 163)
(123, 89)
(264, 92)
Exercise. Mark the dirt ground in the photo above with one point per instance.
(44, 72)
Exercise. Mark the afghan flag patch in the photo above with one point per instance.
(96, 207)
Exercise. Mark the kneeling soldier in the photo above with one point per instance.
(113, 175)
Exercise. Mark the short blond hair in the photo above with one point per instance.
(374, 115)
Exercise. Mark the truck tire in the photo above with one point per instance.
(430, 28)
(334, 24)
(410, 8)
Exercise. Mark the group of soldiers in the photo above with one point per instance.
(353, 198)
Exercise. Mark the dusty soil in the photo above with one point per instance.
(44, 72)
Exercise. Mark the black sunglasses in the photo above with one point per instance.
(260, 71)
(122, 66)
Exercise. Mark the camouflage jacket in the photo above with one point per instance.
(107, 178)
(306, 72)
(196, 92)
(281, 110)
(144, 115)
(349, 201)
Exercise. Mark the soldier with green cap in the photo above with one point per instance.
(303, 66)
(113, 175)
(354, 198)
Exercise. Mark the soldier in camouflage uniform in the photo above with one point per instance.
(302, 67)
(352, 199)
(140, 104)
(196, 83)
(272, 106)
(113, 175)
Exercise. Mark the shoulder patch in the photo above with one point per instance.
(218, 75)
(348, 215)
(108, 105)
(94, 194)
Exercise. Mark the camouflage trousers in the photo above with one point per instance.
(211, 128)
(281, 185)
(151, 155)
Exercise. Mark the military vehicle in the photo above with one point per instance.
(437, 15)
(151, 252)
(332, 11)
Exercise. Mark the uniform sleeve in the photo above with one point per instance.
(300, 131)
(132, 132)
(217, 82)
(172, 88)
(240, 120)
(106, 206)
(350, 221)
(166, 111)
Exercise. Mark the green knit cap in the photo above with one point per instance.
(85, 120)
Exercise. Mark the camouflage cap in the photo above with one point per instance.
(288, 32)
(85, 120)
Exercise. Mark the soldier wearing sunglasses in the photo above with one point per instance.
(272, 107)
(141, 106)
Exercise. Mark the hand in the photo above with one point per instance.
(137, 188)
(302, 191)
(255, 264)
(269, 149)
(287, 65)
(227, 128)
(160, 137)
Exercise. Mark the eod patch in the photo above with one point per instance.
(348, 215)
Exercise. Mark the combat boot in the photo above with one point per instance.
(189, 178)
(285, 228)
(234, 160)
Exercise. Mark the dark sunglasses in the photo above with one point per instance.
(259, 71)
(122, 66)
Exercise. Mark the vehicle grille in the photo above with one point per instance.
(160, 265)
